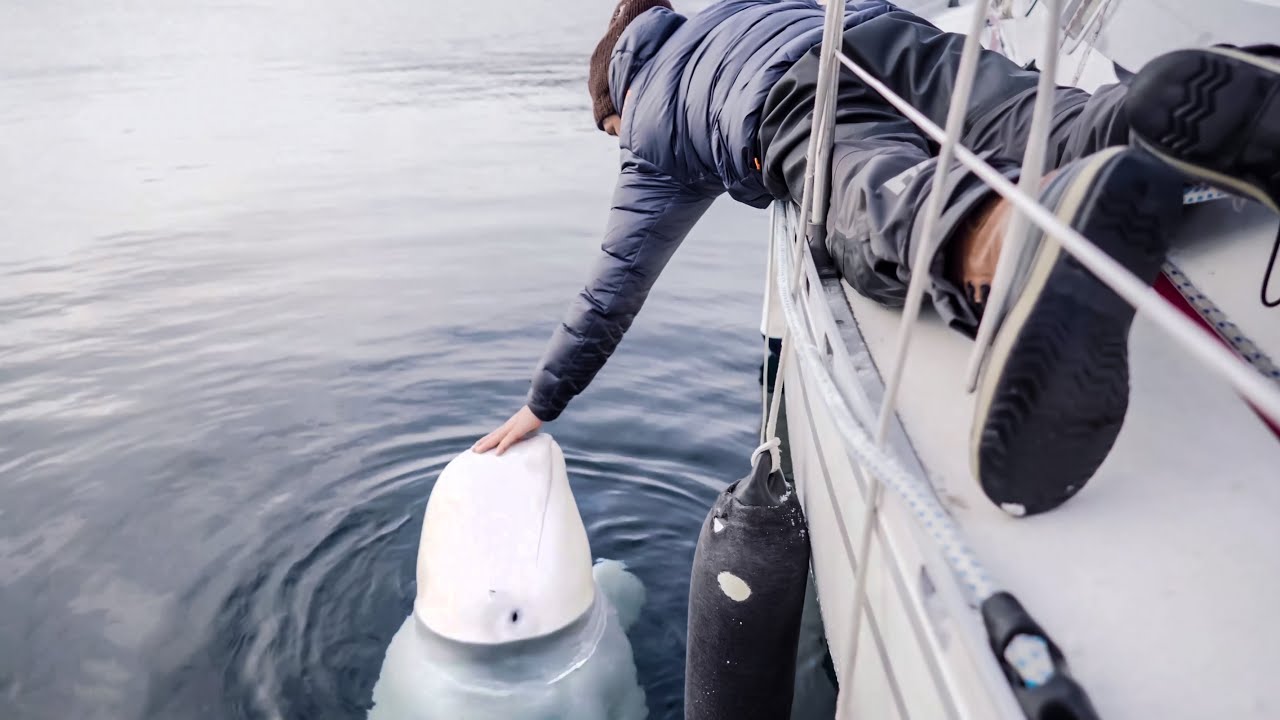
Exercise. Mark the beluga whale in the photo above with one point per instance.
(512, 620)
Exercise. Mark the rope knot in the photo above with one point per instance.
(773, 446)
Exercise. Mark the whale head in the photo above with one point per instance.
(504, 555)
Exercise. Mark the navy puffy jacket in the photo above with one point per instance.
(691, 92)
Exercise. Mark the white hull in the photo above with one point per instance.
(923, 651)
(1159, 581)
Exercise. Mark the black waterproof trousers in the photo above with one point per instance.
(882, 166)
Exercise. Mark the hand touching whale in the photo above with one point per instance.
(511, 621)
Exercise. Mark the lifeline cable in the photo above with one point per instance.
(1213, 356)
(1036, 667)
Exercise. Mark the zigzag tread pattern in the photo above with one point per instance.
(1064, 389)
(1214, 84)
(1062, 396)
(1199, 102)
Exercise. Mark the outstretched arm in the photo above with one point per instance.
(651, 215)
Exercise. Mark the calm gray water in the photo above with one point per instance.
(265, 267)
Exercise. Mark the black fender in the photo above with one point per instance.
(746, 597)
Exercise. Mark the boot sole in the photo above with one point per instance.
(1214, 114)
(1055, 392)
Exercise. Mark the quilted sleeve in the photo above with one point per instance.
(651, 214)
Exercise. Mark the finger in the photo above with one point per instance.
(488, 442)
(511, 438)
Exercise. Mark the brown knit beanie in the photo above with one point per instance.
(598, 80)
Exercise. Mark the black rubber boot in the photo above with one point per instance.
(1054, 392)
(1215, 115)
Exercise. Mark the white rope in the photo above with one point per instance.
(880, 467)
(823, 109)
(1033, 165)
(769, 434)
(824, 120)
(870, 455)
(772, 447)
(764, 326)
(1217, 359)
(877, 463)
(950, 144)
(1027, 210)
(915, 295)
(775, 404)
(764, 393)
(819, 150)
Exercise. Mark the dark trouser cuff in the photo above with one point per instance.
(967, 194)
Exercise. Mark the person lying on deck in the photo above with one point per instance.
(723, 101)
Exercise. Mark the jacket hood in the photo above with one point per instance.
(639, 43)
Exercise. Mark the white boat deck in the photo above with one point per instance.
(1223, 250)
(1161, 579)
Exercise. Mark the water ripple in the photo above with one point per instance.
(264, 269)
(302, 634)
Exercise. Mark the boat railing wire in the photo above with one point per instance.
(867, 446)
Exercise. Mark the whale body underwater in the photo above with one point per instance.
(512, 621)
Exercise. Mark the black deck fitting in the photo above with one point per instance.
(1060, 697)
